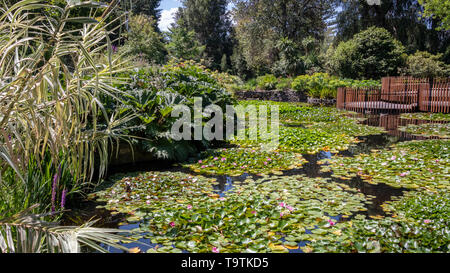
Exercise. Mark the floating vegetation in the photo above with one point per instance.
(428, 130)
(271, 214)
(420, 223)
(237, 161)
(426, 116)
(414, 164)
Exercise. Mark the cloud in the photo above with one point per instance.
(167, 18)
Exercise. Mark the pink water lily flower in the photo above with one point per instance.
(172, 224)
(215, 250)
(200, 161)
(282, 204)
(253, 212)
(427, 221)
(223, 159)
(404, 174)
(203, 166)
(331, 222)
(265, 163)
(290, 208)
(393, 158)
(215, 158)
(269, 159)
(189, 207)
(281, 214)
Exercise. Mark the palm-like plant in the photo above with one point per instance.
(26, 233)
(51, 81)
(54, 70)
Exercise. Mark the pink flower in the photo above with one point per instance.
(215, 158)
(189, 207)
(282, 204)
(393, 157)
(148, 202)
(290, 208)
(265, 163)
(404, 174)
(427, 221)
(281, 214)
(215, 250)
(253, 212)
(222, 199)
(203, 166)
(269, 159)
(234, 164)
(200, 162)
(331, 222)
(172, 224)
(223, 159)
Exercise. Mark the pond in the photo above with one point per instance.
(317, 202)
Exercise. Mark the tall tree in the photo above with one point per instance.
(210, 21)
(261, 24)
(438, 9)
(402, 18)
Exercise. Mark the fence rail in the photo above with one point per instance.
(398, 94)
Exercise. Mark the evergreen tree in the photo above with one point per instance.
(210, 21)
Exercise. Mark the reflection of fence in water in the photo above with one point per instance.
(391, 123)
(398, 95)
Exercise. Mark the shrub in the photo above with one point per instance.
(423, 64)
(319, 85)
(266, 82)
(284, 84)
(371, 54)
(143, 41)
(154, 92)
(322, 85)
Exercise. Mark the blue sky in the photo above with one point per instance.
(169, 7)
(168, 10)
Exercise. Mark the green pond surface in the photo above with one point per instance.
(350, 188)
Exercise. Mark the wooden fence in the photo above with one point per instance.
(398, 95)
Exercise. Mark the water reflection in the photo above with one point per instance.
(380, 192)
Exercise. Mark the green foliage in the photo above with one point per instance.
(419, 224)
(426, 116)
(284, 84)
(143, 41)
(322, 85)
(437, 9)
(237, 161)
(289, 62)
(184, 45)
(212, 27)
(266, 82)
(54, 72)
(371, 54)
(152, 95)
(426, 65)
(415, 165)
(25, 232)
(402, 18)
(183, 212)
(269, 33)
(428, 129)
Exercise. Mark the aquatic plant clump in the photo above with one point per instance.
(428, 130)
(426, 116)
(237, 161)
(414, 165)
(271, 214)
(419, 223)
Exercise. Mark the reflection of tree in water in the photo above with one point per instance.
(369, 143)
(382, 193)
